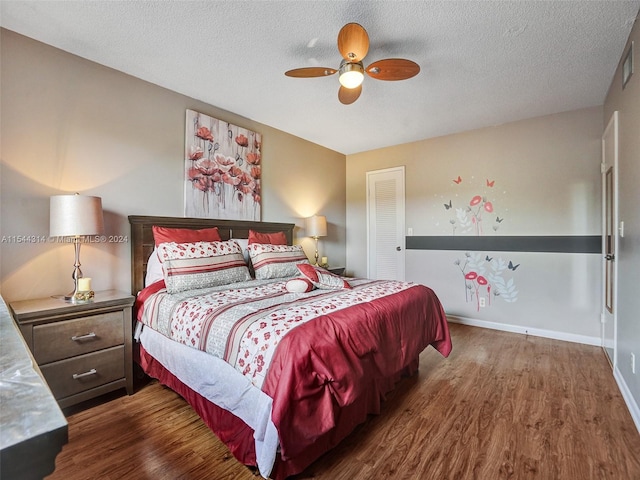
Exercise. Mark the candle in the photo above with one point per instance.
(84, 284)
(324, 260)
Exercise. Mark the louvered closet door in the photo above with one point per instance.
(385, 224)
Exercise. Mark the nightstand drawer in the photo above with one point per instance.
(58, 340)
(75, 375)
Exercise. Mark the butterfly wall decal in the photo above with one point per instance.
(499, 220)
(458, 180)
(490, 183)
(447, 205)
(488, 258)
(512, 266)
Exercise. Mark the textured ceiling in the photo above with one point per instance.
(482, 63)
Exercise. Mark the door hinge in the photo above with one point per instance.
(603, 167)
(603, 319)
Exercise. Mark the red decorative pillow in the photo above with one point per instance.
(184, 235)
(275, 238)
(322, 278)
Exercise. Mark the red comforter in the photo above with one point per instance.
(333, 361)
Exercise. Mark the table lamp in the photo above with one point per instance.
(75, 216)
(316, 227)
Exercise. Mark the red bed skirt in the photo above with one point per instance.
(238, 436)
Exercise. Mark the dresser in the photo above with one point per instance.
(83, 350)
(33, 426)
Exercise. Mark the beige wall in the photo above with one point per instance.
(68, 124)
(627, 102)
(547, 182)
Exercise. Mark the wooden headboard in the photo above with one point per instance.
(142, 237)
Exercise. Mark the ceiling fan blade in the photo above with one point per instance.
(393, 69)
(349, 95)
(310, 72)
(353, 42)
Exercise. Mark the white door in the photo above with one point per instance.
(610, 236)
(385, 224)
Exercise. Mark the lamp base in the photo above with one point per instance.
(72, 297)
(316, 255)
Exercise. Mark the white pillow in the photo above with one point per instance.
(154, 269)
(299, 285)
(244, 246)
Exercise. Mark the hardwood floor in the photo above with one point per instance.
(502, 406)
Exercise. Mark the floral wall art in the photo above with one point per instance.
(487, 277)
(472, 214)
(222, 169)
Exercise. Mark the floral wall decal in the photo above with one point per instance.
(222, 169)
(478, 206)
(486, 277)
(468, 218)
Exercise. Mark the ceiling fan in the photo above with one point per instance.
(353, 44)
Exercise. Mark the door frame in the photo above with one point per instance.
(610, 314)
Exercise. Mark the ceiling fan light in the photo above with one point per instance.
(351, 74)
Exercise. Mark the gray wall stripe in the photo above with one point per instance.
(550, 244)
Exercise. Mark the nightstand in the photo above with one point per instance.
(337, 270)
(83, 350)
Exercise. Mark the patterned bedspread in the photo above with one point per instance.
(244, 325)
(326, 358)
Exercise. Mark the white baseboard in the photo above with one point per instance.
(536, 332)
(632, 405)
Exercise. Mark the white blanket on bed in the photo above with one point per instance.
(223, 385)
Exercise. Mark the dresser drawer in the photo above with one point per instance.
(75, 375)
(58, 340)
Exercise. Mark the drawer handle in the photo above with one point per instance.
(76, 338)
(76, 376)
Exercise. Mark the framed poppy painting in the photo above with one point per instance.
(222, 169)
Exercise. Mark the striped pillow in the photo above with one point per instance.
(187, 266)
(276, 261)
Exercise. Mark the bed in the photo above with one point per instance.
(280, 369)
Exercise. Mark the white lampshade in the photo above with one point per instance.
(75, 215)
(316, 226)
